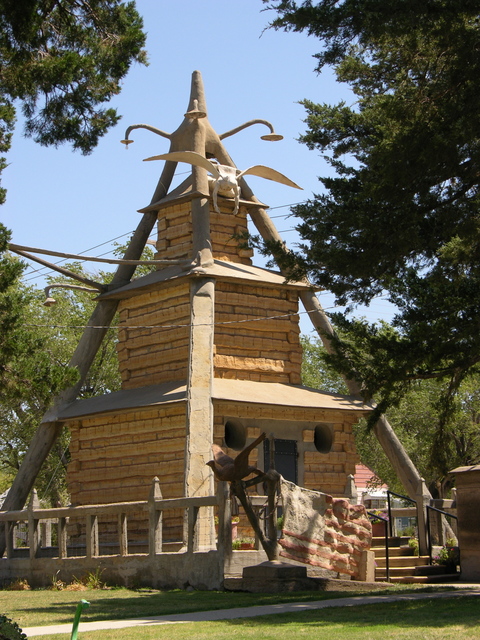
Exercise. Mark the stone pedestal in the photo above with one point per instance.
(468, 512)
(274, 570)
(275, 576)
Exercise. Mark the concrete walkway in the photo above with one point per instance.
(250, 612)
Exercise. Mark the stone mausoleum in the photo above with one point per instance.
(209, 351)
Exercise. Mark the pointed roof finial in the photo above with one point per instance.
(197, 107)
(195, 113)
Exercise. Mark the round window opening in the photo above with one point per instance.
(235, 435)
(323, 438)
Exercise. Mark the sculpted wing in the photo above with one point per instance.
(220, 457)
(243, 455)
(270, 174)
(242, 468)
(226, 468)
(190, 157)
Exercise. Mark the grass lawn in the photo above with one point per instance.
(445, 619)
(45, 607)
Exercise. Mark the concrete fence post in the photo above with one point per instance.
(62, 537)
(33, 525)
(155, 529)
(224, 542)
(92, 536)
(10, 528)
(123, 534)
(351, 490)
(422, 499)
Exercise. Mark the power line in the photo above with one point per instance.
(41, 269)
(282, 206)
(42, 272)
(171, 326)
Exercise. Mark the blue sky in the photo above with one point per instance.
(61, 200)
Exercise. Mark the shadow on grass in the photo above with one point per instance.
(37, 608)
(433, 613)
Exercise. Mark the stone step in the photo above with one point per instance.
(402, 561)
(392, 551)
(395, 572)
(443, 578)
(393, 541)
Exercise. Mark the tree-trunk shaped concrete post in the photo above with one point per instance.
(422, 499)
(155, 536)
(198, 478)
(33, 525)
(224, 543)
(350, 489)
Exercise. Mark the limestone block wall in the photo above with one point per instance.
(174, 228)
(224, 227)
(262, 350)
(326, 472)
(115, 456)
(152, 356)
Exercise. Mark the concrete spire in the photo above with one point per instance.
(197, 93)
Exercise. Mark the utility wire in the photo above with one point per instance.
(173, 326)
(42, 272)
(41, 269)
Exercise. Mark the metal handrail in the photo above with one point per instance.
(398, 495)
(444, 513)
(375, 516)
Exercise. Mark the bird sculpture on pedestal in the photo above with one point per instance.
(232, 469)
(225, 178)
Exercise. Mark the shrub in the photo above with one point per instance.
(10, 630)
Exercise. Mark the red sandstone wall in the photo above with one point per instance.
(323, 531)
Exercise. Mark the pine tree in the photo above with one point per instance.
(61, 61)
(400, 217)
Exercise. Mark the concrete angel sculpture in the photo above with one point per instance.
(226, 178)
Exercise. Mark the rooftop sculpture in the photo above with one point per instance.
(226, 177)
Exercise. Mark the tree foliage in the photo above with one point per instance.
(400, 217)
(434, 445)
(44, 339)
(62, 60)
(29, 376)
(36, 345)
(316, 372)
